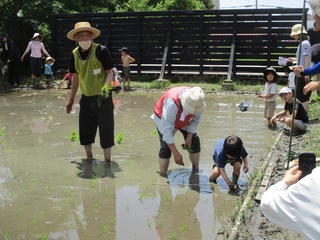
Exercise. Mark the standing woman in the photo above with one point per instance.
(304, 61)
(36, 46)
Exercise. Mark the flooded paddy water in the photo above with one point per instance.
(48, 192)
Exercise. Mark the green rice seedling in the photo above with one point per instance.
(66, 182)
(184, 227)
(97, 205)
(43, 211)
(43, 236)
(25, 185)
(119, 137)
(66, 201)
(35, 220)
(49, 186)
(105, 230)
(7, 236)
(149, 223)
(141, 196)
(113, 221)
(1, 132)
(74, 136)
(167, 198)
(104, 94)
(188, 213)
(92, 183)
(19, 209)
(67, 192)
(173, 236)
(106, 192)
(12, 175)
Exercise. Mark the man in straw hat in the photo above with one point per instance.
(91, 65)
(179, 108)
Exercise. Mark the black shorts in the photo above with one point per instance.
(92, 116)
(300, 83)
(165, 151)
(36, 64)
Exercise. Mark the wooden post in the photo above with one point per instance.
(164, 58)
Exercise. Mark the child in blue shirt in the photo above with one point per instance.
(229, 150)
(48, 70)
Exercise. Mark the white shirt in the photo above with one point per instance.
(167, 122)
(305, 51)
(297, 207)
(270, 89)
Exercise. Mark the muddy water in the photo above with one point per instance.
(47, 190)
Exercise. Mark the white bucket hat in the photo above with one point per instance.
(37, 35)
(83, 26)
(296, 30)
(315, 6)
(192, 100)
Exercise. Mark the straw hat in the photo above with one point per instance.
(49, 58)
(315, 5)
(192, 100)
(37, 35)
(296, 30)
(80, 27)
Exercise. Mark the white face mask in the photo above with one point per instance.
(85, 44)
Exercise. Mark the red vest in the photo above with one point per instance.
(173, 93)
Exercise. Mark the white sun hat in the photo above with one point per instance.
(192, 101)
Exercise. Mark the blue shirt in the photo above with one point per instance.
(220, 157)
(48, 68)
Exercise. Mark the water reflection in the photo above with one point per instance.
(126, 199)
(97, 168)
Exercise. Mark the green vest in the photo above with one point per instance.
(91, 73)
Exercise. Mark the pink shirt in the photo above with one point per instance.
(36, 48)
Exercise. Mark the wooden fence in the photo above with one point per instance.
(214, 42)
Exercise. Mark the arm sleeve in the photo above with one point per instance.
(168, 119)
(72, 67)
(193, 124)
(278, 206)
(44, 49)
(28, 48)
(104, 57)
(312, 70)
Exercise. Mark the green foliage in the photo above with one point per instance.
(156, 84)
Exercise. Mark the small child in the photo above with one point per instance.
(300, 115)
(229, 150)
(68, 78)
(269, 94)
(126, 59)
(116, 80)
(48, 70)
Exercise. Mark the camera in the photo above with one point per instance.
(307, 162)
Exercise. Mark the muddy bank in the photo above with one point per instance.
(255, 225)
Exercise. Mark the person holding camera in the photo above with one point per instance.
(294, 204)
